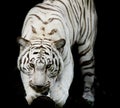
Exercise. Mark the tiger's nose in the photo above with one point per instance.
(39, 87)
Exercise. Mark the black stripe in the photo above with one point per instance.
(88, 3)
(88, 29)
(83, 43)
(59, 66)
(23, 55)
(46, 53)
(75, 12)
(59, 20)
(90, 67)
(38, 17)
(24, 61)
(67, 13)
(40, 9)
(88, 74)
(56, 62)
(87, 89)
(44, 7)
(85, 51)
(87, 62)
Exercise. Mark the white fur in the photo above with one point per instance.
(70, 31)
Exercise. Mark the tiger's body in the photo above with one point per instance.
(45, 61)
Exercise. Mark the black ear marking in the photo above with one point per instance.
(60, 43)
(23, 42)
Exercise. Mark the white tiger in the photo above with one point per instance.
(45, 59)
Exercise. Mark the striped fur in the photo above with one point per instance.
(45, 61)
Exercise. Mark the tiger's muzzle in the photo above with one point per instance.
(43, 89)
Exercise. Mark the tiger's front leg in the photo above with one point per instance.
(60, 91)
(87, 68)
(30, 94)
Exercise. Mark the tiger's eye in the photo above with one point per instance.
(48, 66)
(32, 65)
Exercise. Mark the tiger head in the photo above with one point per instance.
(41, 60)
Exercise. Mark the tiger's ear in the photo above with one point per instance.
(60, 44)
(23, 42)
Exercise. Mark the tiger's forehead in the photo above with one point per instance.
(40, 48)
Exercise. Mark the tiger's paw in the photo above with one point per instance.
(89, 97)
(59, 95)
(29, 99)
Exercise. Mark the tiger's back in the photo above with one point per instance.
(74, 17)
(70, 22)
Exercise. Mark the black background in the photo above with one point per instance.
(106, 54)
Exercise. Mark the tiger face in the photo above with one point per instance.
(41, 61)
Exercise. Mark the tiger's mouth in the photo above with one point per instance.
(41, 89)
